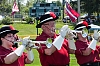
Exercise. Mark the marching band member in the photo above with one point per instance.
(86, 52)
(10, 56)
(56, 53)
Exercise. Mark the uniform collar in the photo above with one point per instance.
(45, 35)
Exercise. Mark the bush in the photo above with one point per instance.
(29, 20)
(6, 21)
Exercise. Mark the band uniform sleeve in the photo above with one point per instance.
(79, 51)
(2, 59)
(80, 47)
(98, 48)
(25, 55)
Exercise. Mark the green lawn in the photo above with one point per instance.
(30, 30)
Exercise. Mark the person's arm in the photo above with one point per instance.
(50, 50)
(57, 43)
(92, 45)
(70, 36)
(71, 51)
(10, 58)
(13, 56)
(87, 51)
(30, 55)
(71, 42)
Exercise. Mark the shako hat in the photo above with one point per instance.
(81, 25)
(48, 16)
(7, 29)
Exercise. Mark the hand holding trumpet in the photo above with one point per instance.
(32, 44)
(96, 35)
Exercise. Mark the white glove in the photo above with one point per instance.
(92, 45)
(29, 45)
(58, 42)
(25, 40)
(64, 31)
(20, 49)
(71, 44)
(30, 55)
(70, 35)
(96, 35)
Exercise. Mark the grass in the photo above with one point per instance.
(73, 61)
(30, 30)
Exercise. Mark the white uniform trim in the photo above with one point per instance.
(4, 31)
(81, 27)
(47, 19)
(76, 31)
(80, 22)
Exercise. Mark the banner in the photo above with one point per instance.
(14, 8)
(73, 15)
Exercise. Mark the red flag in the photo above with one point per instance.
(15, 8)
(73, 15)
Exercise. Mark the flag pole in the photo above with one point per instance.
(63, 8)
(11, 13)
(78, 2)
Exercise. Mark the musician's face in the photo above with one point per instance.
(8, 40)
(49, 28)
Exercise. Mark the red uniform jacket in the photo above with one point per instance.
(81, 59)
(59, 57)
(4, 52)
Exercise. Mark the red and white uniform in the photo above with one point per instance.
(58, 58)
(81, 59)
(4, 52)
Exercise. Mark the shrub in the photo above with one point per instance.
(29, 20)
(6, 21)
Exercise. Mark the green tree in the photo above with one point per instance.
(74, 5)
(58, 3)
(91, 6)
(5, 7)
(97, 8)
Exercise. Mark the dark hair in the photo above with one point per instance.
(2, 36)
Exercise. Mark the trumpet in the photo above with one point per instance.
(37, 44)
